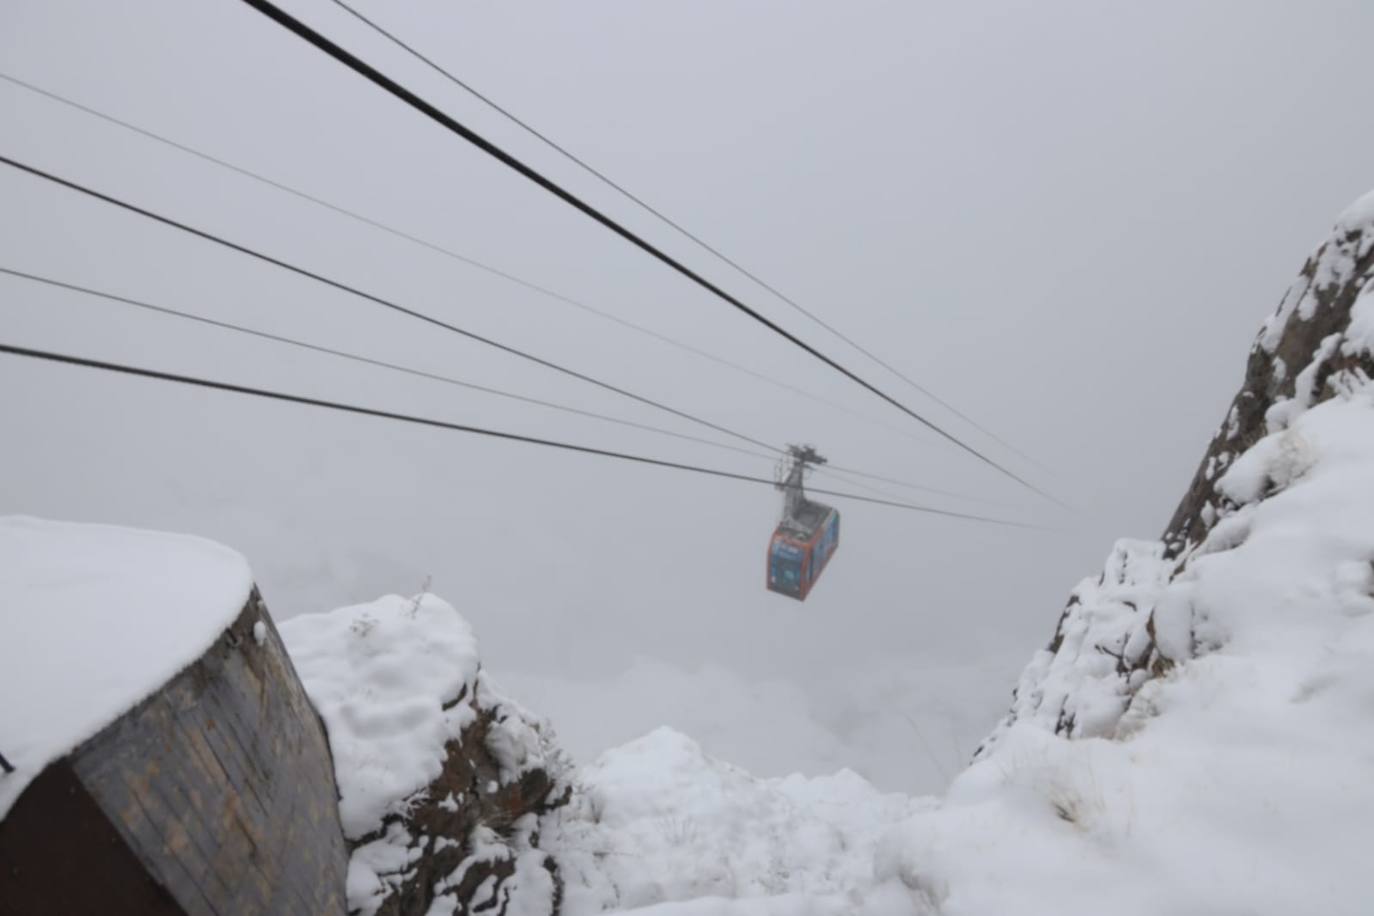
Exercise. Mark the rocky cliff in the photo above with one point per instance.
(1318, 344)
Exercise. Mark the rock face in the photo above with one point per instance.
(1303, 355)
(468, 842)
(1112, 637)
(442, 780)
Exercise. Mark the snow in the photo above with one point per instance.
(657, 820)
(1332, 265)
(1239, 782)
(397, 681)
(1360, 333)
(375, 869)
(381, 676)
(528, 890)
(1080, 684)
(93, 619)
(1358, 216)
(1281, 412)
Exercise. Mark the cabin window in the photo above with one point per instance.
(785, 568)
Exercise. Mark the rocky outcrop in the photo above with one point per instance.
(1114, 636)
(469, 840)
(442, 780)
(1305, 353)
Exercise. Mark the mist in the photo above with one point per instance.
(1066, 220)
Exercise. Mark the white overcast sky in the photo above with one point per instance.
(1066, 219)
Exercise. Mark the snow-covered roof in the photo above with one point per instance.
(93, 619)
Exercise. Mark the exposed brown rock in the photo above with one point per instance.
(1315, 307)
(470, 835)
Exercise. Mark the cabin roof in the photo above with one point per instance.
(94, 619)
(807, 519)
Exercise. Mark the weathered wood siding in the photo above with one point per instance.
(60, 856)
(221, 784)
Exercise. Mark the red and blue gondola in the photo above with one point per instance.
(800, 550)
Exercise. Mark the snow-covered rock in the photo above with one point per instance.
(1119, 630)
(1318, 342)
(441, 778)
(1238, 780)
(1195, 736)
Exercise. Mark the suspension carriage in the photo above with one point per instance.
(808, 533)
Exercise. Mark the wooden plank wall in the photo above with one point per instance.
(223, 786)
(60, 856)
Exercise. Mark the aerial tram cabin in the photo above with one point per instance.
(808, 534)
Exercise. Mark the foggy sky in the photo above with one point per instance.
(1067, 219)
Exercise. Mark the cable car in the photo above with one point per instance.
(807, 535)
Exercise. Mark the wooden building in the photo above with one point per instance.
(215, 795)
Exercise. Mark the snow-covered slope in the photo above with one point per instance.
(657, 820)
(1238, 780)
(93, 619)
(1114, 635)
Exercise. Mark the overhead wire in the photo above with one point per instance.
(378, 300)
(375, 76)
(367, 360)
(839, 469)
(606, 179)
(422, 242)
(405, 310)
(770, 455)
(197, 381)
(450, 253)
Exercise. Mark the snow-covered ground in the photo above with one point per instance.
(657, 820)
(93, 619)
